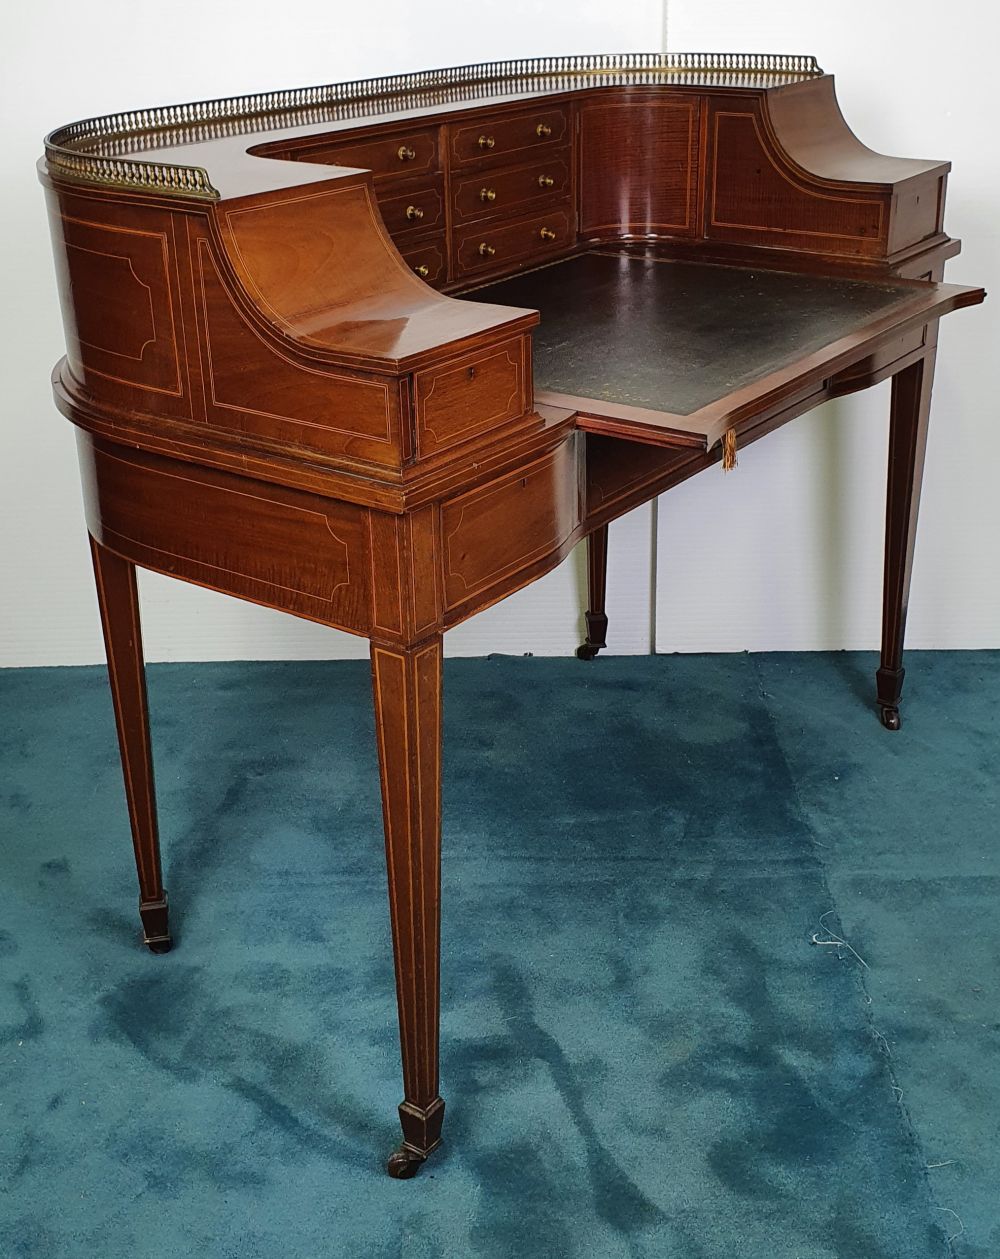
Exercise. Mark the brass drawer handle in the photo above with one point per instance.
(545, 181)
(543, 131)
(405, 153)
(486, 251)
(486, 142)
(414, 212)
(423, 270)
(487, 194)
(546, 233)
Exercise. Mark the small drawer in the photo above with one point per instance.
(429, 260)
(390, 156)
(488, 192)
(499, 138)
(470, 395)
(493, 246)
(495, 537)
(417, 210)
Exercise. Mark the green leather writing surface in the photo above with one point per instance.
(675, 336)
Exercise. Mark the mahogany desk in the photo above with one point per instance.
(278, 396)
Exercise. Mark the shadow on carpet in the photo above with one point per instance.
(643, 1053)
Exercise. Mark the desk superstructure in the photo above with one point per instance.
(300, 331)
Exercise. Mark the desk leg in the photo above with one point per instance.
(119, 601)
(597, 582)
(911, 399)
(407, 688)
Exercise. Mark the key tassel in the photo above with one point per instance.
(729, 450)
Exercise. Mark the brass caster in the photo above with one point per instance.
(403, 1164)
(155, 925)
(890, 718)
(588, 651)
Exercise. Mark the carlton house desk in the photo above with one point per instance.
(380, 353)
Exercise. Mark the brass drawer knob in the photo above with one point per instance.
(546, 233)
(423, 270)
(414, 212)
(405, 153)
(545, 181)
(486, 142)
(486, 251)
(543, 131)
(487, 194)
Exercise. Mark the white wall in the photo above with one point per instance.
(59, 62)
(785, 553)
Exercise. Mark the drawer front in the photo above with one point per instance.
(284, 548)
(513, 134)
(496, 245)
(487, 193)
(386, 156)
(496, 537)
(414, 211)
(470, 395)
(428, 259)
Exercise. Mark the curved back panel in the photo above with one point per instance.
(639, 164)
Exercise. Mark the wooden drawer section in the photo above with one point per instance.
(428, 259)
(471, 395)
(281, 547)
(415, 210)
(495, 246)
(488, 193)
(387, 156)
(507, 136)
(493, 535)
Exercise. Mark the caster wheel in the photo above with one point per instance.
(587, 651)
(403, 1164)
(163, 945)
(890, 718)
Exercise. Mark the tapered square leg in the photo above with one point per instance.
(910, 410)
(118, 597)
(407, 690)
(597, 581)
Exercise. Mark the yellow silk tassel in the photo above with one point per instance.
(729, 450)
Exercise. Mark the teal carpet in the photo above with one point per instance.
(643, 1052)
